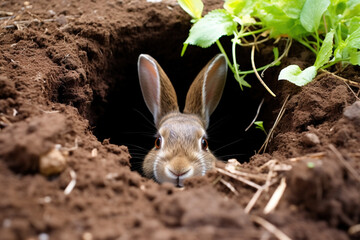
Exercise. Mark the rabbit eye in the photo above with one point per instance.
(204, 144)
(158, 142)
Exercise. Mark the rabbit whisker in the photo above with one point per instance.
(147, 120)
(229, 144)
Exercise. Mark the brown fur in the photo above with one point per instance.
(181, 154)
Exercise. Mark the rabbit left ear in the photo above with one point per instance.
(157, 90)
(206, 90)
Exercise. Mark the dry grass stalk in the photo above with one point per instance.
(270, 227)
(253, 200)
(354, 229)
(234, 169)
(239, 178)
(351, 83)
(307, 156)
(229, 186)
(274, 200)
(271, 132)
(351, 170)
(71, 184)
(216, 180)
(256, 196)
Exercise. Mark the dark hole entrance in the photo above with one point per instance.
(125, 120)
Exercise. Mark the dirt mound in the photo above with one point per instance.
(68, 87)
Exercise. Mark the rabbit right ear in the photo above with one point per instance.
(206, 90)
(157, 90)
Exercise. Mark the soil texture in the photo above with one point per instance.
(68, 90)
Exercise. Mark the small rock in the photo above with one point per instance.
(52, 163)
(353, 112)
(87, 236)
(52, 12)
(311, 139)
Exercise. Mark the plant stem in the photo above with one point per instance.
(234, 59)
(252, 33)
(257, 74)
(226, 57)
(306, 45)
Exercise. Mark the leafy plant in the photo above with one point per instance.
(329, 28)
(260, 125)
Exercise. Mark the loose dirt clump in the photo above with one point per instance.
(68, 87)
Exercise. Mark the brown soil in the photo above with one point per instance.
(68, 83)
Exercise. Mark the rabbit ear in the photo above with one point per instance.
(206, 90)
(157, 90)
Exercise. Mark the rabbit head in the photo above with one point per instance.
(181, 148)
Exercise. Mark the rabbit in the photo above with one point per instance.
(181, 148)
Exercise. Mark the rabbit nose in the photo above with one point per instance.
(178, 173)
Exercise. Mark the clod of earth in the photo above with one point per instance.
(73, 83)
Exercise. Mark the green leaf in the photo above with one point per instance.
(353, 41)
(260, 125)
(311, 14)
(355, 57)
(193, 7)
(241, 80)
(273, 17)
(210, 28)
(185, 45)
(240, 8)
(326, 50)
(354, 24)
(292, 8)
(353, 9)
(294, 75)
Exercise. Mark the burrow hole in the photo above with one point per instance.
(125, 120)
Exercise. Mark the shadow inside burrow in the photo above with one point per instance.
(125, 120)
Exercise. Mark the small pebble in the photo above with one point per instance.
(44, 236)
(311, 139)
(52, 163)
(353, 112)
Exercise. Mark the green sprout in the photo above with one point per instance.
(260, 125)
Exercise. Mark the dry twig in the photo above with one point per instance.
(344, 162)
(271, 132)
(270, 227)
